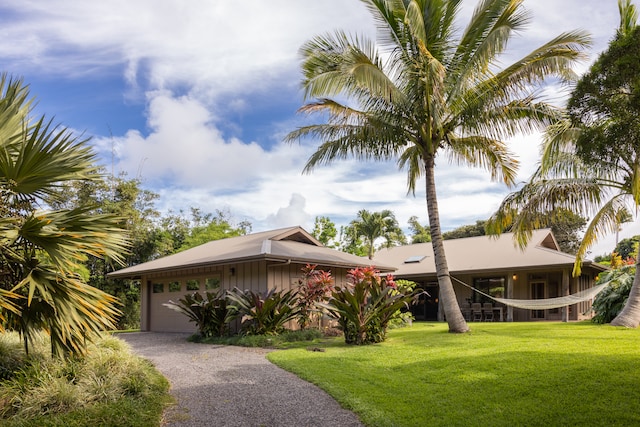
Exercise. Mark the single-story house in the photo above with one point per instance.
(257, 262)
(496, 267)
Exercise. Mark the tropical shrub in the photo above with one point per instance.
(403, 315)
(212, 313)
(608, 303)
(314, 287)
(264, 313)
(365, 305)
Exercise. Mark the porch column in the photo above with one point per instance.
(509, 294)
(565, 291)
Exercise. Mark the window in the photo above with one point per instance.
(193, 285)
(212, 282)
(553, 291)
(158, 288)
(537, 292)
(174, 287)
(493, 286)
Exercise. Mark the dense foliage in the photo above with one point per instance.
(365, 305)
(212, 313)
(314, 287)
(264, 313)
(610, 302)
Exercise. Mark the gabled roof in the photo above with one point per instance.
(293, 243)
(482, 253)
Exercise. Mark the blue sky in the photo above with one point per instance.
(194, 98)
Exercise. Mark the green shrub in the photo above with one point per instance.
(269, 341)
(301, 335)
(612, 299)
(403, 316)
(365, 306)
(211, 313)
(264, 313)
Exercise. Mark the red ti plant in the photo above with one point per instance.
(314, 287)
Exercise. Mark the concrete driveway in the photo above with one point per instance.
(234, 386)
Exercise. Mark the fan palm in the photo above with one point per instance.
(432, 91)
(591, 159)
(41, 249)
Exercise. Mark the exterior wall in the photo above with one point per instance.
(257, 276)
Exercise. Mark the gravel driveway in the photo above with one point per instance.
(234, 386)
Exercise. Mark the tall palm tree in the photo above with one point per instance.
(41, 249)
(431, 90)
(591, 159)
(373, 225)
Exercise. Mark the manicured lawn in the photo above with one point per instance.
(500, 374)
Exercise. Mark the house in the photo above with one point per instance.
(495, 267)
(258, 262)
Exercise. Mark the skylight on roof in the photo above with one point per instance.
(414, 259)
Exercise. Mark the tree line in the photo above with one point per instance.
(371, 231)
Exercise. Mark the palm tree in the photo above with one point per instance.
(373, 225)
(41, 250)
(591, 159)
(433, 91)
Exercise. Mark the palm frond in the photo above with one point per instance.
(526, 209)
(71, 311)
(604, 222)
(554, 58)
(45, 158)
(68, 236)
(485, 37)
(15, 106)
(489, 154)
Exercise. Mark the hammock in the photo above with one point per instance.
(544, 303)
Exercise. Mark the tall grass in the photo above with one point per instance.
(95, 389)
(500, 374)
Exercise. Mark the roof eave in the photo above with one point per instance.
(261, 257)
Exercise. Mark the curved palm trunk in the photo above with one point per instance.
(630, 314)
(447, 295)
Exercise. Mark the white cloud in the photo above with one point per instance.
(207, 47)
(293, 214)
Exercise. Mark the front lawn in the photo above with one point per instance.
(499, 374)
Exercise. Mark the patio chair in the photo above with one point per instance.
(476, 311)
(487, 309)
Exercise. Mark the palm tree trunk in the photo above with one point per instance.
(447, 296)
(630, 314)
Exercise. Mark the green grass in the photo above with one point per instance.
(107, 387)
(500, 374)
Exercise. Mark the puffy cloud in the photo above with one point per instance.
(293, 214)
